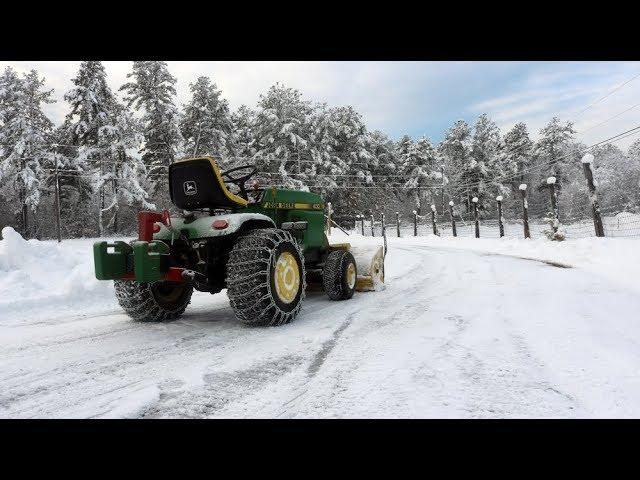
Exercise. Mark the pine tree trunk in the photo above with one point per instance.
(195, 148)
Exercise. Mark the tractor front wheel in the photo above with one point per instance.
(339, 275)
(266, 277)
(153, 302)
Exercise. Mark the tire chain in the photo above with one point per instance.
(249, 277)
(137, 300)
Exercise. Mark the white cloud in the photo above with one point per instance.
(566, 89)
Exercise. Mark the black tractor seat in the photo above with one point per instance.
(197, 183)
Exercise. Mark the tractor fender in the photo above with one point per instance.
(203, 227)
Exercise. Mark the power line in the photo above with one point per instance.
(611, 118)
(608, 94)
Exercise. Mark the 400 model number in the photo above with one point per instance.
(294, 206)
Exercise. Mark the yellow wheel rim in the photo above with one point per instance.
(287, 277)
(351, 275)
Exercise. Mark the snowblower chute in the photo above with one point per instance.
(262, 244)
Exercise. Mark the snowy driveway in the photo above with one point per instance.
(455, 334)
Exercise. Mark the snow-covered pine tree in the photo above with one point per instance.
(634, 150)
(618, 177)
(92, 125)
(385, 168)
(417, 161)
(244, 138)
(633, 155)
(484, 172)
(516, 155)
(384, 160)
(455, 153)
(328, 168)
(550, 149)
(282, 130)
(343, 158)
(108, 140)
(128, 172)
(75, 186)
(205, 123)
(152, 91)
(24, 139)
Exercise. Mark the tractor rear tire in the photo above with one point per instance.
(266, 277)
(153, 302)
(339, 275)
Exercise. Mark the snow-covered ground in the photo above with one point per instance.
(464, 328)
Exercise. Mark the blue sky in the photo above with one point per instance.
(416, 98)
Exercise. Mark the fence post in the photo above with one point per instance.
(551, 181)
(329, 218)
(398, 223)
(382, 223)
(415, 223)
(373, 233)
(57, 190)
(362, 224)
(525, 210)
(475, 214)
(500, 219)
(587, 165)
(453, 220)
(433, 220)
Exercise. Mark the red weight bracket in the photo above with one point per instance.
(146, 222)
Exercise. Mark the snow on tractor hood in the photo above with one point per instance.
(203, 227)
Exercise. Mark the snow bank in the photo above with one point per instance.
(35, 273)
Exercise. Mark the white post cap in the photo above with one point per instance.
(588, 158)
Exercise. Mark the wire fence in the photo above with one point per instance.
(622, 224)
(539, 213)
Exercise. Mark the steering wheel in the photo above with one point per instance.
(240, 180)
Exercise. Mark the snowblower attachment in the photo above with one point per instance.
(369, 263)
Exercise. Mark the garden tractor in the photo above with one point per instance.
(264, 245)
